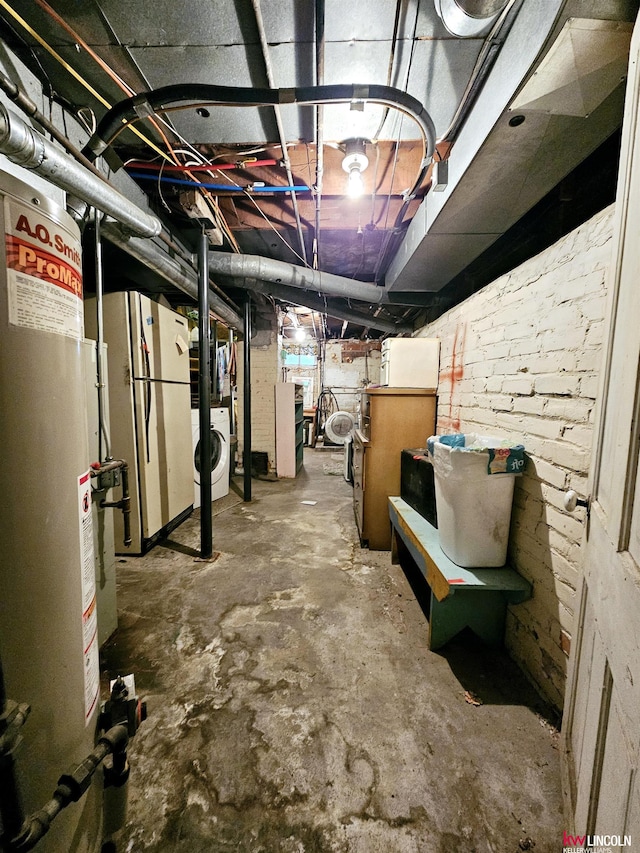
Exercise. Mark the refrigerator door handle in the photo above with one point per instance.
(147, 384)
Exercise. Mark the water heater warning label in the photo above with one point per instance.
(89, 613)
(44, 273)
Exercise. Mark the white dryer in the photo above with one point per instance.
(220, 454)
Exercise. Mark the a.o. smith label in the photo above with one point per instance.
(44, 273)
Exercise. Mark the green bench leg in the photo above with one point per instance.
(482, 611)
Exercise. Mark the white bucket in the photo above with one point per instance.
(474, 508)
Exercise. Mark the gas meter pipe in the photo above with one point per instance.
(124, 503)
(72, 785)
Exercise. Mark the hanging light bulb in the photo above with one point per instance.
(354, 163)
(300, 334)
(355, 184)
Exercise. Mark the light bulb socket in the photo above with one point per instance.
(355, 156)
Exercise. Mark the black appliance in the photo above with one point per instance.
(417, 486)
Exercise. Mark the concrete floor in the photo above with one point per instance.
(293, 704)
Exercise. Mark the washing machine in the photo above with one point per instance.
(220, 454)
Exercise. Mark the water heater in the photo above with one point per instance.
(48, 628)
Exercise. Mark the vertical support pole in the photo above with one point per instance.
(232, 408)
(214, 366)
(104, 448)
(247, 398)
(204, 396)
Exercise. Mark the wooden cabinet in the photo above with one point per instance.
(289, 428)
(392, 419)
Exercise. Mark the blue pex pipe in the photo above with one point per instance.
(297, 188)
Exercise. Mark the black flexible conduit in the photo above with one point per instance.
(163, 100)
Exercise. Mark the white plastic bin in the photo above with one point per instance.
(474, 480)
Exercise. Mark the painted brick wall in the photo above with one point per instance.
(264, 375)
(351, 365)
(520, 359)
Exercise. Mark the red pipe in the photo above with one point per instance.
(241, 164)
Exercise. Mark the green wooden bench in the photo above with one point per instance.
(460, 598)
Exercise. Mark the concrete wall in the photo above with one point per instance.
(264, 375)
(520, 359)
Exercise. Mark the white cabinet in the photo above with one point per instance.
(410, 363)
(289, 428)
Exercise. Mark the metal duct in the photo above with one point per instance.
(311, 300)
(280, 272)
(184, 279)
(469, 18)
(27, 148)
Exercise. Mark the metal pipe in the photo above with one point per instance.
(171, 244)
(246, 451)
(214, 367)
(183, 278)
(124, 504)
(29, 149)
(264, 45)
(72, 786)
(204, 397)
(232, 412)
(102, 427)
(319, 39)
(24, 103)
(281, 272)
(320, 304)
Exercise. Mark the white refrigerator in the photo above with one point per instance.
(150, 407)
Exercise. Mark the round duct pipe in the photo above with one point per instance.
(29, 149)
(293, 296)
(469, 18)
(281, 272)
(168, 268)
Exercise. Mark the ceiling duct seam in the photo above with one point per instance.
(264, 46)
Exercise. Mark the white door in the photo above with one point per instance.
(601, 732)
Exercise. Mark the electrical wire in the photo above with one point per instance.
(392, 56)
(273, 228)
(122, 85)
(142, 176)
(385, 243)
(80, 79)
(265, 217)
(478, 69)
(155, 121)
